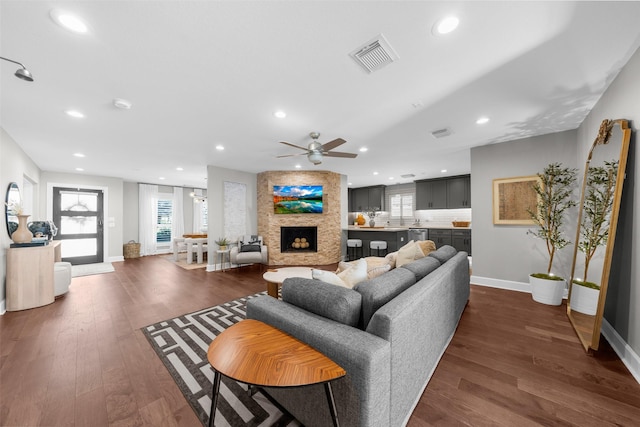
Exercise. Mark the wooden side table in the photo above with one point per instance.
(275, 277)
(258, 354)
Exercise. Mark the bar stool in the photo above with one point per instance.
(352, 248)
(378, 245)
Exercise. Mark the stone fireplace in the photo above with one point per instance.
(327, 225)
(298, 239)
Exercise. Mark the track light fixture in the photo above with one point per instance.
(21, 73)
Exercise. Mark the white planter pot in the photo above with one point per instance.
(547, 291)
(584, 300)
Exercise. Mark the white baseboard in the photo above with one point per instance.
(630, 358)
(116, 259)
(501, 284)
(3, 306)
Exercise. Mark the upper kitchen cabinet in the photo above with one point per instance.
(364, 198)
(459, 192)
(431, 194)
(444, 193)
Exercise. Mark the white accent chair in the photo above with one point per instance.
(61, 278)
(250, 256)
(197, 245)
(178, 246)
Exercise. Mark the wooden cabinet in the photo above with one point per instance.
(440, 237)
(364, 198)
(444, 193)
(431, 194)
(30, 276)
(459, 192)
(461, 240)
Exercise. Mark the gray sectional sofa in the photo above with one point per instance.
(388, 333)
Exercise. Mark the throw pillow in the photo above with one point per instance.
(391, 259)
(377, 271)
(328, 277)
(354, 274)
(427, 246)
(250, 248)
(409, 252)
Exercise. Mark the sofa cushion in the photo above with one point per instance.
(408, 253)
(444, 253)
(382, 289)
(423, 266)
(337, 303)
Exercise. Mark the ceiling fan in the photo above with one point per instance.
(316, 151)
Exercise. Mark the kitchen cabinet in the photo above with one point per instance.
(444, 193)
(363, 198)
(431, 194)
(461, 240)
(459, 192)
(395, 238)
(440, 237)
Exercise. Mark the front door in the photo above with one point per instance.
(79, 215)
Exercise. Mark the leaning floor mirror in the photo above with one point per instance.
(604, 175)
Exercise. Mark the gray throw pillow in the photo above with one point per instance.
(337, 303)
(250, 248)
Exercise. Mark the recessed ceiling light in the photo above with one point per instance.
(161, 178)
(75, 113)
(363, 149)
(391, 178)
(122, 104)
(280, 114)
(220, 147)
(443, 171)
(482, 120)
(69, 21)
(350, 183)
(79, 169)
(446, 25)
(375, 173)
(298, 166)
(78, 154)
(179, 169)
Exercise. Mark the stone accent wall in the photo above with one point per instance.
(328, 222)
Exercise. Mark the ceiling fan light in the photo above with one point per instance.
(315, 157)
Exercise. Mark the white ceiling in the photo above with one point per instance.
(202, 73)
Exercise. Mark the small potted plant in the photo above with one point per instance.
(594, 231)
(554, 193)
(222, 242)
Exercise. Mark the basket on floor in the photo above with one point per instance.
(131, 249)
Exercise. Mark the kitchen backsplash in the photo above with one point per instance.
(428, 218)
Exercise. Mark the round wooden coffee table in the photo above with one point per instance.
(275, 277)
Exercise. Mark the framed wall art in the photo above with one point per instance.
(511, 199)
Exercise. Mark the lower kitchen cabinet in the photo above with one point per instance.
(440, 237)
(461, 240)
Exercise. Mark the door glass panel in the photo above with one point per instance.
(79, 202)
(78, 225)
(79, 247)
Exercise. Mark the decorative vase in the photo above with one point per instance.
(547, 291)
(22, 233)
(372, 223)
(584, 300)
(360, 219)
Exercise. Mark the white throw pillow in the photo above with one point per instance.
(328, 277)
(354, 274)
(408, 253)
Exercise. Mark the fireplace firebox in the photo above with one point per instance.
(298, 239)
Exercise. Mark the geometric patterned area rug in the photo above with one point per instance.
(182, 344)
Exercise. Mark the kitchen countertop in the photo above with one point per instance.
(424, 226)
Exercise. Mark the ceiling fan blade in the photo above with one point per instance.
(340, 154)
(294, 145)
(333, 144)
(292, 155)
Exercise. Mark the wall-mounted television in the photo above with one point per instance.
(296, 199)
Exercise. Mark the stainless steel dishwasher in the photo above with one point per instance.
(418, 234)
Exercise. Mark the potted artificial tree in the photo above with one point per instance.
(594, 231)
(554, 191)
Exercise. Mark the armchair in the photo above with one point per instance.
(250, 250)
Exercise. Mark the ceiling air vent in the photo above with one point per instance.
(407, 175)
(375, 54)
(441, 133)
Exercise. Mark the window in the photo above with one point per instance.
(401, 205)
(164, 221)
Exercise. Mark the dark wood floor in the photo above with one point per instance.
(83, 361)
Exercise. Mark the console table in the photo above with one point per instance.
(30, 275)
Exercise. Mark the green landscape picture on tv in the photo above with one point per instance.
(296, 199)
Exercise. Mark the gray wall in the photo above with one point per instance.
(15, 165)
(130, 212)
(622, 101)
(113, 215)
(506, 252)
